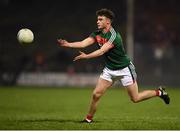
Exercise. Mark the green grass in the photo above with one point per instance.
(64, 108)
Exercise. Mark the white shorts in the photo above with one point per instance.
(127, 75)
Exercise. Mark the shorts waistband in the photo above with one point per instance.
(119, 68)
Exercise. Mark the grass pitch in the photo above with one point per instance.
(64, 108)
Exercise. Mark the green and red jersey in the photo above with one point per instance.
(116, 57)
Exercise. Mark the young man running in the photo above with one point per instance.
(117, 64)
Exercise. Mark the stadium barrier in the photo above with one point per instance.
(57, 79)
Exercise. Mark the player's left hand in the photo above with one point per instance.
(81, 56)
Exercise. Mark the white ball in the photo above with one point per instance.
(25, 36)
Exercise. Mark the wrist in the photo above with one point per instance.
(69, 44)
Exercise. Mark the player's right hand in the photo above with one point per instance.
(62, 42)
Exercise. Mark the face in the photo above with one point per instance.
(102, 22)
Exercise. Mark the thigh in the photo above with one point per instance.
(132, 90)
(102, 85)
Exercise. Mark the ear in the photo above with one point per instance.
(108, 21)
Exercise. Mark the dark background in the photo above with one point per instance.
(156, 37)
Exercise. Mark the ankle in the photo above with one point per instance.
(158, 92)
(89, 117)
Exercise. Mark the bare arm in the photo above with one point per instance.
(80, 44)
(107, 46)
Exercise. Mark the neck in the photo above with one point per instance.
(108, 27)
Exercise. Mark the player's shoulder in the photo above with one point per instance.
(113, 30)
(97, 32)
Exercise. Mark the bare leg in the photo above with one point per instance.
(101, 87)
(139, 96)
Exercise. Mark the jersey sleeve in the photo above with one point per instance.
(112, 37)
(93, 35)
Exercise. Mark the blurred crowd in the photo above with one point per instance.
(157, 41)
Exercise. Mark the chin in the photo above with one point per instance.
(99, 28)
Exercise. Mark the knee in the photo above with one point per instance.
(97, 95)
(134, 99)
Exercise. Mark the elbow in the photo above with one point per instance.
(83, 45)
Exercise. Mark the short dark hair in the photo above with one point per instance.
(105, 12)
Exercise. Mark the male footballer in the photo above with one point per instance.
(117, 64)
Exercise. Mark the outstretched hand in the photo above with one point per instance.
(81, 56)
(62, 42)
